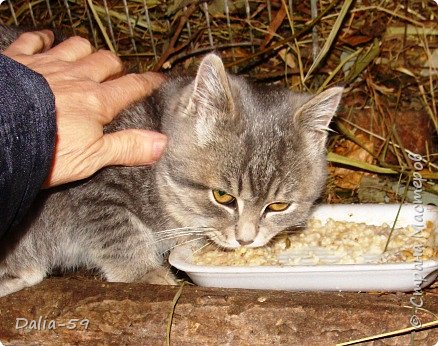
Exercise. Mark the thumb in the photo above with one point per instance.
(132, 147)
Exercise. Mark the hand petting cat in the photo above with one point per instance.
(89, 92)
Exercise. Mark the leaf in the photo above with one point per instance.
(355, 40)
(275, 24)
(176, 6)
(333, 157)
(330, 39)
(288, 58)
(348, 150)
(218, 6)
(363, 61)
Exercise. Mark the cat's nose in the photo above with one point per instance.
(246, 232)
(244, 242)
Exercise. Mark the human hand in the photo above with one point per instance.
(87, 96)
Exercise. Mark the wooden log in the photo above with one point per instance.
(137, 314)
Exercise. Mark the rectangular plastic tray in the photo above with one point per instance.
(336, 277)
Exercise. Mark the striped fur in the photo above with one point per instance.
(261, 144)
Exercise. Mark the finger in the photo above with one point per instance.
(30, 43)
(121, 92)
(99, 66)
(72, 49)
(132, 147)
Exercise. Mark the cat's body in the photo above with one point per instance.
(261, 148)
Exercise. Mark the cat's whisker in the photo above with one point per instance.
(296, 229)
(172, 233)
(165, 237)
(190, 229)
(200, 228)
(175, 236)
(184, 243)
(196, 239)
(209, 242)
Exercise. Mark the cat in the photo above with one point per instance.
(243, 163)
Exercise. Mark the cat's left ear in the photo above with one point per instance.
(211, 93)
(315, 115)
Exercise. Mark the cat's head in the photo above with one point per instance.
(247, 160)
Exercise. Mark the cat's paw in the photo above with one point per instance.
(26, 278)
(160, 276)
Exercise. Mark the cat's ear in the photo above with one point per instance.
(211, 93)
(315, 115)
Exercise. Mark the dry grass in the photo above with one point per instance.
(379, 52)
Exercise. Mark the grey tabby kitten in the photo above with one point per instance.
(243, 163)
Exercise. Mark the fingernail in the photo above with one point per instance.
(158, 147)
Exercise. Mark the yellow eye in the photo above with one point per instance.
(278, 206)
(222, 197)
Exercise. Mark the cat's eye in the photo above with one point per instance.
(277, 206)
(222, 197)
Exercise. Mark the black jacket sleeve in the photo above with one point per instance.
(27, 139)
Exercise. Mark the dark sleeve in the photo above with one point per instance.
(27, 139)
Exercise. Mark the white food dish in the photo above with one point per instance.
(337, 277)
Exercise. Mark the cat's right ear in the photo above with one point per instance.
(211, 93)
(211, 101)
(315, 115)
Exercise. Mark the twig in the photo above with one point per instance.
(405, 194)
(19, 12)
(363, 61)
(347, 133)
(122, 17)
(315, 38)
(429, 110)
(194, 52)
(383, 139)
(297, 47)
(101, 27)
(331, 38)
(390, 334)
(171, 49)
(337, 69)
(274, 25)
(332, 157)
(285, 41)
(172, 310)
